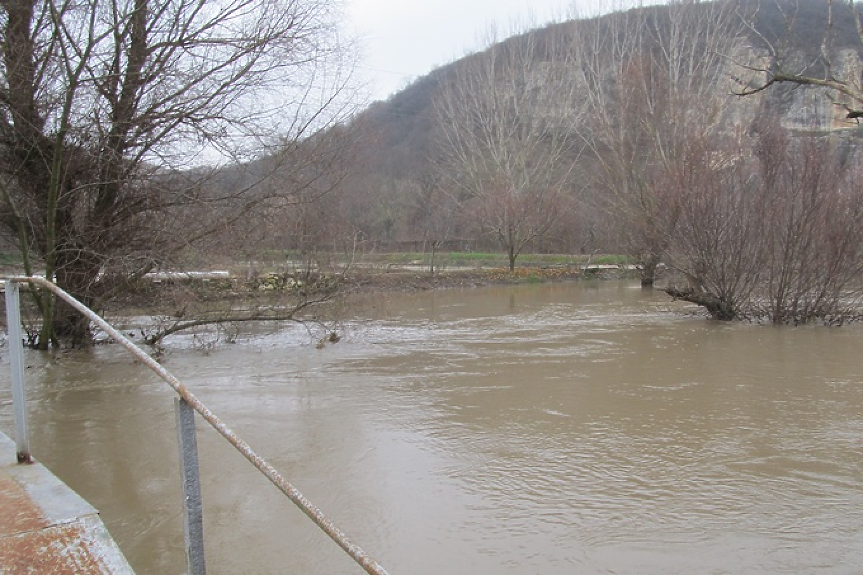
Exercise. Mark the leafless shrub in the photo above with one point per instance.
(814, 236)
(776, 234)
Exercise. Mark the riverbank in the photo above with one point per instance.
(404, 281)
(181, 300)
(272, 290)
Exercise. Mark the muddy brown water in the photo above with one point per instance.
(555, 429)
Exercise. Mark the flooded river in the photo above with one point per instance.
(554, 429)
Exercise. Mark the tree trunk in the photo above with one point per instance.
(718, 308)
(79, 277)
(434, 244)
(648, 270)
(70, 326)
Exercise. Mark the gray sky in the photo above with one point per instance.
(405, 39)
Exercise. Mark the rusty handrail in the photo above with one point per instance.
(316, 515)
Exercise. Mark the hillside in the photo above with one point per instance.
(598, 105)
(403, 123)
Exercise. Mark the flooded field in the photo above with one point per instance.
(561, 428)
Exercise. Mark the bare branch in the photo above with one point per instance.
(103, 99)
(839, 80)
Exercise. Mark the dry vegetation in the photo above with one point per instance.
(656, 132)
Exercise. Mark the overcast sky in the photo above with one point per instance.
(405, 39)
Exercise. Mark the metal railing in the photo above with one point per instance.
(187, 405)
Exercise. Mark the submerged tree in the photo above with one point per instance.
(775, 235)
(104, 106)
(718, 241)
(650, 78)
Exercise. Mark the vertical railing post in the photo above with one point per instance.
(16, 365)
(186, 409)
(193, 517)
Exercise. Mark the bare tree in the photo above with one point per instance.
(506, 137)
(814, 252)
(650, 77)
(433, 214)
(104, 105)
(717, 241)
(772, 235)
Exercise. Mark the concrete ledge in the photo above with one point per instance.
(45, 527)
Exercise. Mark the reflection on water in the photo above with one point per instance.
(589, 428)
